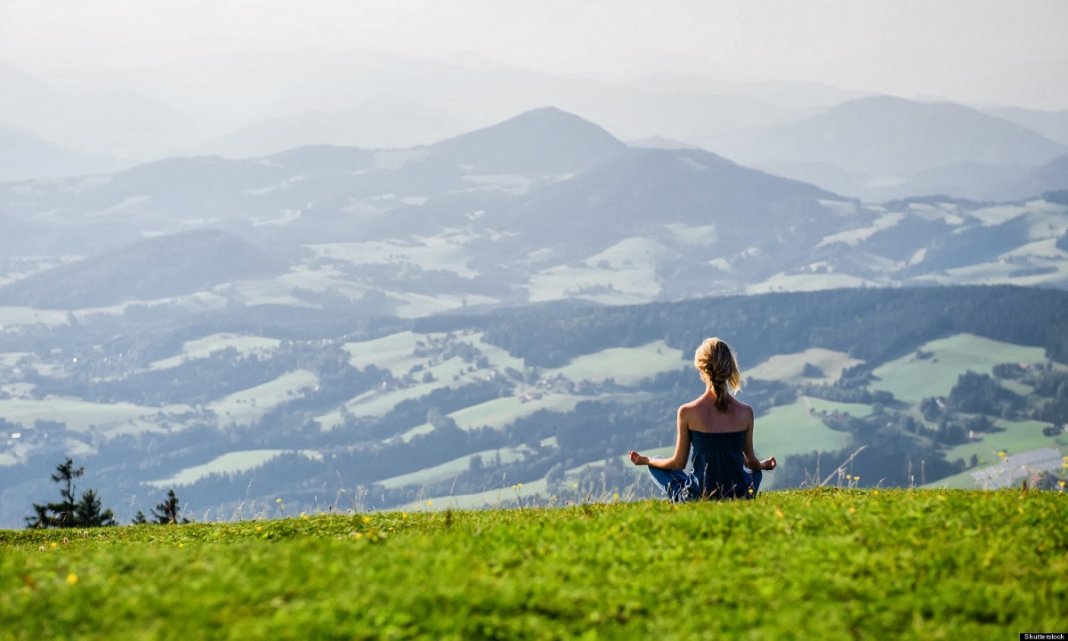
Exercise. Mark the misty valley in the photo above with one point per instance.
(497, 318)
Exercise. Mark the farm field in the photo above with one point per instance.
(229, 463)
(874, 564)
(627, 365)
(911, 379)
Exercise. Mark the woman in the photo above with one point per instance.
(719, 430)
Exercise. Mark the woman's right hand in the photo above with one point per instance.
(638, 459)
(769, 464)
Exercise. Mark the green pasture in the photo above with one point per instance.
(788, 367)
(453, 468)
(1018, 436)
(792, 429)
(229, 463)
(248, 405)
(110, 419)
(813, 564)
(627, 365)
(910, 379)
(205, 346)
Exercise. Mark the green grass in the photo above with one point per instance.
(627, 365)
(791, 429)
(1019, 436)
(788, 367)
(912, 379)
(816, 564)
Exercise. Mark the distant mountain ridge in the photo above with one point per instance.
(544, 206)
(876, 147)
(154, 268)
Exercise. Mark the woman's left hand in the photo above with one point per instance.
(638, 459)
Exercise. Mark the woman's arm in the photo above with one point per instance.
(751, 460)
(682, 450)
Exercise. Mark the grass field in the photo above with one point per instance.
(250, 404)
(910, 379)
(110, 419)
(816, 564)
(205, 346)
(1019, 436)
(228, 463)
(627, 365)
(451, 469)
(788, 367)
(791, 429)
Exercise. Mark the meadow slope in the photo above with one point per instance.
(813, 564)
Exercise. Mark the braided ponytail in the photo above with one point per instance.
(718, 369)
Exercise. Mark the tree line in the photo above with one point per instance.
(87, 510)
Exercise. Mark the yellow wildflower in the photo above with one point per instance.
(366, 519)
(1062, 483)
(278, 500)
(53, 545)
(72, 579)
(429, 502)
(1002, 454)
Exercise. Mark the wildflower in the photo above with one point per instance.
(181, 545)
(852, 509)
(778, 513)
(1061, 483)
(53, 545)
(72, 579)
(615, 496)
(875, 492)
(1002, 454)
(849, 477)
(357, 535)
(366, 519)
(429, 502)
(856, 478)
(404, 515)
(278, 500)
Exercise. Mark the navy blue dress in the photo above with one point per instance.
(718, 470)
(719, 465)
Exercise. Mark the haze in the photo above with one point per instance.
(151, 79)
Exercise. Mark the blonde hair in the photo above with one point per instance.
(718, 368)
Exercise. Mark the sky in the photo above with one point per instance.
(141, 79)
(957, 49)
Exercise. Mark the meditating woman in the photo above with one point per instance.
(718, 429)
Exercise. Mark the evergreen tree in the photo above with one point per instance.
(68, 512)
(139, 519)
(88, 512)
(166, 513)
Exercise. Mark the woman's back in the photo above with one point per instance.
(717, 441)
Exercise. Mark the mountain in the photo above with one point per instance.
(151, 269)
(888, 140)
(24, 157)
(544, 140)
(544, 206)
(1051, 124)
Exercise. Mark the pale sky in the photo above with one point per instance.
(959, 49)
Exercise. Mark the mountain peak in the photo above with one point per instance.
(546, 139)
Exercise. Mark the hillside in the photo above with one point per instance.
(159, 267)
(882, 147)
(539, 207)
(874, 564)
(234, 405)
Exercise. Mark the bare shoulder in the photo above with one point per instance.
(744, 409)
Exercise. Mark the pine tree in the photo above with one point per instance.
(166, 513)
(139, 519)
(67, 512)
(89, 514)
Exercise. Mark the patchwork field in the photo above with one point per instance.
(789, 367)
(229, 463)
(910, 378)
(627, 365)
(207, 345)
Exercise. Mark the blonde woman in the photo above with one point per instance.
(718, 429)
